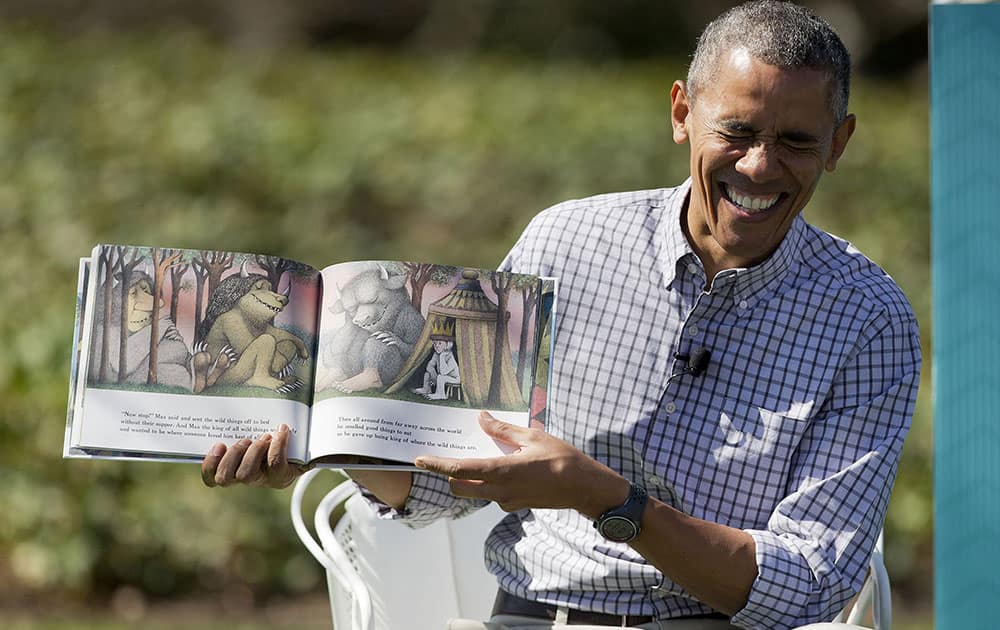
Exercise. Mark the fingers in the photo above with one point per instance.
(251, 469)
(225, 473)
(277, 453)
(486, 468)
(503, 431)
(279, 473)
(442, 465)
(261, 462)
(481, 469)
(211, 464)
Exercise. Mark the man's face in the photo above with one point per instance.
(760, 137)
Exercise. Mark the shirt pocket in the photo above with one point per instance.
(750, 456)
(751, 433)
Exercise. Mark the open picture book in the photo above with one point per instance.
(368, 363)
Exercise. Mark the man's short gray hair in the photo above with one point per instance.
(778, 33)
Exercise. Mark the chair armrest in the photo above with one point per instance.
(328, 551)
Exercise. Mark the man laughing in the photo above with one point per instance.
(748, 492)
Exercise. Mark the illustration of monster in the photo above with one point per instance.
(381, 330)
(172, 353)
(240, 343)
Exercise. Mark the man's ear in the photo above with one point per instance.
(679, 109)
(840, 138)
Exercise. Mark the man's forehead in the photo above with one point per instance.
(745, 88)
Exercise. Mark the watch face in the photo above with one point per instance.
(618, 529)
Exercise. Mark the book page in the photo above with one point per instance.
(224, 350)
(82, 281)
(546, 342)
(184, 426)
(409, 353)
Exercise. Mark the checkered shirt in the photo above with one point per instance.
(793, 433)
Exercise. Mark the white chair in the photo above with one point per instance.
(875, 597)
(381, 575)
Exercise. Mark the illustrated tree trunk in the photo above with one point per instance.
(529, 299)
(217, 263)
(501, 285)
(212, 265)
(176, 277)
(108, 262)
(200, 276)
(273, 266)
(420, 274)
(163, 259)
(126, 269)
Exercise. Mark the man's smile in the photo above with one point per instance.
(747, 202)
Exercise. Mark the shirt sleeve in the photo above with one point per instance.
(813, 555)
(430, 499)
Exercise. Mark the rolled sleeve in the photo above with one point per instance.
(813, 555)
(430, 499)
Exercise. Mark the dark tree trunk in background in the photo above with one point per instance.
(501, 285)
(126, 269)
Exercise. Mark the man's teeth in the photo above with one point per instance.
(750, 202)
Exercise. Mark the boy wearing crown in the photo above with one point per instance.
(442, 369)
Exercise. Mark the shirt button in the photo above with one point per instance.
(693, 269)
(692, 330)
(655, 481)
(744, 305)
(670, 407)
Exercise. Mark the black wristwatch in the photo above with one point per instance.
(623, 523)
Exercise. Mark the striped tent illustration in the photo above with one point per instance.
(475, 319)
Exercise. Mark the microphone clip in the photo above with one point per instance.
(696, 362)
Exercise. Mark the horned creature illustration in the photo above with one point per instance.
(381, 331)
(240, 343)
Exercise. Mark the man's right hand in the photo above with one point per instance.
(262, 462)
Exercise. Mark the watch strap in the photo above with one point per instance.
(623, 523)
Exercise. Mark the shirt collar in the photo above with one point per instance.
(675, 244)
(752, 283)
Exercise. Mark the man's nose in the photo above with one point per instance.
(760, 162)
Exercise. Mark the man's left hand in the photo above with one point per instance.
(541, 472)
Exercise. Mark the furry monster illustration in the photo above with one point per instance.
(381, 330)
(172, 353)
(240, 344)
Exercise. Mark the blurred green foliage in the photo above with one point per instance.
(326, 157)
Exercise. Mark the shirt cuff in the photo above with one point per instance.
(787, 592)
(430, 499)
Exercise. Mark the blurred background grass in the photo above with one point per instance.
(382, 136)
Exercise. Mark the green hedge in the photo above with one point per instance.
(324, 157)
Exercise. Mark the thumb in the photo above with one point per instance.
(502, 431)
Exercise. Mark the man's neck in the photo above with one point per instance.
(713, 257)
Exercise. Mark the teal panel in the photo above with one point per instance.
(965, 197)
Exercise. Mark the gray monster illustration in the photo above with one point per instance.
(381, 329)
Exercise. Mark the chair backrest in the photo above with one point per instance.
(874, 598)
(382, 574)
(876, 594)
